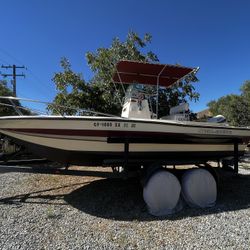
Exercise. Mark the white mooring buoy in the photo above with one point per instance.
(162, 193)
(199, 188)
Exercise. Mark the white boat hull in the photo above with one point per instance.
(94, 140)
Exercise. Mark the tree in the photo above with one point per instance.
(5, 91)
(100, 93)
(74, 93)
(236, 108)
(5, 107)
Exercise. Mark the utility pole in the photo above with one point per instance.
(14, 75)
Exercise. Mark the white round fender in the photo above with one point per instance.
(199, 188)
(162, 193)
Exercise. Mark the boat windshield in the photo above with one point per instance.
(136, 91)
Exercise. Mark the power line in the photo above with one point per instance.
(3, 61)
(40, 84)
(14, 75)
(10, 56)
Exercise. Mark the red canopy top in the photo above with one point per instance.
(149, 73)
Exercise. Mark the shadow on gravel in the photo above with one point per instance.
(45, 169)
(122, 200)
(118, 199)
(39, 197)
(111, 198)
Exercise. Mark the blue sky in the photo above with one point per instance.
(213, 35)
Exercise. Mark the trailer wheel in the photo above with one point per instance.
(199, 188)
(162, 192)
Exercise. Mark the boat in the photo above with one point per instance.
(137, 141)
(137, 137)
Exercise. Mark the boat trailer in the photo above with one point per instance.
(128, 162)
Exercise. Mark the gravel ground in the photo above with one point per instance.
(55, 211)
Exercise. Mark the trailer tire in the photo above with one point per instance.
(162, 193)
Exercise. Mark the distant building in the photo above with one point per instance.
(204, 114)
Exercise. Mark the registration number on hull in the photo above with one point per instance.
(114, 125)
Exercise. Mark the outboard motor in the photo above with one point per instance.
(217, 119)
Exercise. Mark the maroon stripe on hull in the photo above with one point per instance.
(136, 136)
(99, 133)
(124, 134)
